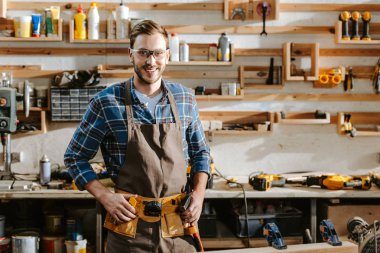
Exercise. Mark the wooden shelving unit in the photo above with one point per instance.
(257, 122)
(291, 50)
(102, 30)
(338, 37)
(37, 118)
(259, 74)
(302, 118)
(59, 37)
(365, 123)
(251, 9)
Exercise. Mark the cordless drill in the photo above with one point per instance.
(337, 182)
(263, 182)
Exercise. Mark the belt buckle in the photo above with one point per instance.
(152, 208)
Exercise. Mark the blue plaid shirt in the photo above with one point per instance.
(104, 125)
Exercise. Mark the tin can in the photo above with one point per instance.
(5, 245)
(45, 170)
(54, 224)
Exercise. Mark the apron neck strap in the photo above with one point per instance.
(128, 104)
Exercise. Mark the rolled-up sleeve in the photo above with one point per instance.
(85, 144)
(199, 152)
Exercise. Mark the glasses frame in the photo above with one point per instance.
(151, 52)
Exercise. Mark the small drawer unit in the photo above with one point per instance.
(70, 104)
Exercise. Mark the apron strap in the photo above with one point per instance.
(129, 111)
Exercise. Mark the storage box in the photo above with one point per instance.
(70, 104)
(340, 214)
(288, 222)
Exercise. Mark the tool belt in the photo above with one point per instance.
(152, 210)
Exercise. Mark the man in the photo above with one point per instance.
(148, 130)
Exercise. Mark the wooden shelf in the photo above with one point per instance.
(200, 63)
(338, 37)
(37, 117)
(301, 118)
(365, 123)
(291, 50)
(59, 37)
(250, 9)
(218, 97)
(259, 74)
(99, 41)
(235, 243)
(216, 122)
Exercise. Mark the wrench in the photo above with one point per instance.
(264, 8)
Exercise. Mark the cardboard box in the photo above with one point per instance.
(340, 214)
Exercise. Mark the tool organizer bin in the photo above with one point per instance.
(70, 104)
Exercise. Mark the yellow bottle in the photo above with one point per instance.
(80, 21)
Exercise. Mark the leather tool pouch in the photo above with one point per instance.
(152, 210)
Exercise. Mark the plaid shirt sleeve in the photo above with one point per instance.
(198, 149)
(85, 144)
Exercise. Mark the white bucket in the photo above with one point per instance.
(52, 244)
(25, 242)
(76, 246)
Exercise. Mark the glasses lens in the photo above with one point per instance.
(158, 54)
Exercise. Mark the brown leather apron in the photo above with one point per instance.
(155, 168)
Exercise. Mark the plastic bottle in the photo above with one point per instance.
(93, 20)
(174, 47)
(80, 24)
(183, 51)
(224, 48)
(111, 25)
(122, 15)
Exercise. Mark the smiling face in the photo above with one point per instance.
(148, 70)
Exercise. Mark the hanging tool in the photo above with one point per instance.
(348, 80)
(191, 230)
(344, 17)
(328, 233)
(263, 9)
(238, 12)
(366, 17)
(263, 182)
(355, 16)
(376, 77)
(273, 236)
(270, 79)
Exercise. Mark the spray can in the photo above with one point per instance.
(224, 48)
(45, 170)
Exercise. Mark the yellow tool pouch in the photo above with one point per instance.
(152, 210)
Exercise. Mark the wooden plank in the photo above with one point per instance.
(302, 118)
(3, 8)
(217, 29)
(62, 51)
(20, 67)
(288, 7)
(230, 243)
(311, 97)
(347, 247)
(26, 5)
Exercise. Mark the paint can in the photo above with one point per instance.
(76, 246)
(25, 242)
(54, 224)
(74, 230)
(51, 244)
(5, 245)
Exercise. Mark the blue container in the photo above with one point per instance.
(74, 231)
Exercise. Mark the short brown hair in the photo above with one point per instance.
(147, 27)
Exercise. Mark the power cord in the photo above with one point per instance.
(245, 203)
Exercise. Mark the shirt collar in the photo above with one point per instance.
(135, 99)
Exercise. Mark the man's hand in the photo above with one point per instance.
(115, 203)
(193, 212)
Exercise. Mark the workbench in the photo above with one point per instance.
(219, 191)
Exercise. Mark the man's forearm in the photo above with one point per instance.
(200, 183)
(97, 189)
